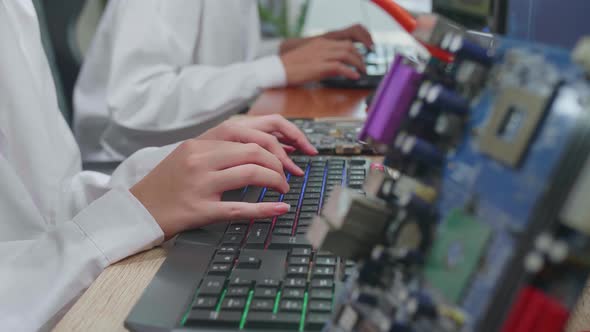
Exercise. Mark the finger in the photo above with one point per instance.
(361, 34)
(336, 68)
(293, 135)
(352, 58)
(288, 148)
(231, 154)
(249, 175)
(228, 211)
(270, 143)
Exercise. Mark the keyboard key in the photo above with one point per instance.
(227, 250)
(271, 199)
(311, 201)
(237, 291)
(233, 304)
(307, 215)
(262, 305)
(311, 195)
(301, 229)
(357, 161)
(236, 229)
(292, 202)
(282, 230)
(298, 261)
(321, 294)
(212, 286)
(322, 283)
(312, 208)
(293, 293)
(232, 239)
(297, 271)
(285, 223)
(265, 292)
(316, 321)
(324, 253)
(325, 261)
(206, 318)
(356, 184)
(257, 236)
(313, 190)
(320, 306)
(220, 269)
(281, 320)
(238, 281)
(300, 252)
(321, 272)
(286, 242)
(304, 222)
(292, 196)
(294, 282)
(223, 258)
(288, 217)
(248, 262)
(268, 282)
(291, 305)
(205, 302)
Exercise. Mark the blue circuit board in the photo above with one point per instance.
(507, 196)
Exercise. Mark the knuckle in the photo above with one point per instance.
(191, 164)
(249, 172)
(234, 212)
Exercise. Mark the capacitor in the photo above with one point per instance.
(446, 100)
(558, 252)
(448, 125)
(425, 306)
(421, 150)
(464, 48)
(534, 262)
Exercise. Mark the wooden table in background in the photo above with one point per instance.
(106, 304)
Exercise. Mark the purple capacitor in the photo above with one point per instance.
(392, 102)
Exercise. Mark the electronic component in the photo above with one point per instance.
(334, 135)
(483, 167)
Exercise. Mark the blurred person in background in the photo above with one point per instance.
(159, 71)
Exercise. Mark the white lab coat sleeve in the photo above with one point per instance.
(269, 47)
(55, 267)
(154, 84)
(94, 228)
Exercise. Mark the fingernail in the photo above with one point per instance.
(282, 208)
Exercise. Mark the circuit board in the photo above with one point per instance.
(501, 173)
(334, 135)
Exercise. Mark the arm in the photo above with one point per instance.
(42, 275)
(155, 86)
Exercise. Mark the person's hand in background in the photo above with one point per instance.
(272, 132)
(355, 33)
(322, 58)
(184, 190)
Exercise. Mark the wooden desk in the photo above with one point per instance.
(106, 304)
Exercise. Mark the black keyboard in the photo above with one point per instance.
(264, 273)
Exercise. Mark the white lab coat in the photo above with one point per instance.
(159, 71)
(59, 226)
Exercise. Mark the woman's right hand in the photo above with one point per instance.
(184, 190)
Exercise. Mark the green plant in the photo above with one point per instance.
(276, 16)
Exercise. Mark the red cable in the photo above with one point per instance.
(408, 22)
(405, 19)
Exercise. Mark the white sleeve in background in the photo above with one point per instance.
(154, 84)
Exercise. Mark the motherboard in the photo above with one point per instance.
(469, 225)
